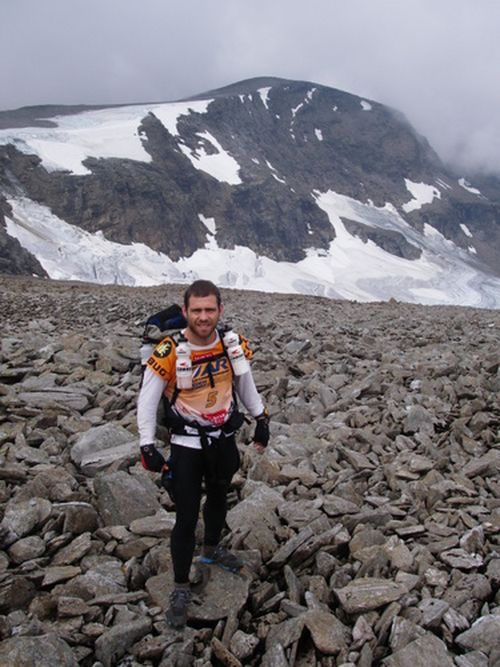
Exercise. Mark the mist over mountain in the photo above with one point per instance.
(267, 184)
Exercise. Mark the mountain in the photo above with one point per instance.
(266, 184)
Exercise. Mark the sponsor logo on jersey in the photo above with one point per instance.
(215, 418)
(214, 367)
(155, 366)
(163, 349)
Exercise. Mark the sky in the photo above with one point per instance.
(437, 61)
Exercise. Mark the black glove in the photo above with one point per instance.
(261, 434)
(151, 458)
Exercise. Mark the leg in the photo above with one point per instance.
(215, 509)
(187, 467)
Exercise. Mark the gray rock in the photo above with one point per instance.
(114, 643)
(74, 551)
(58, 573)
(275, 657)
(121, 498)
(102, 576)
(27, 549)
(433, 611)
(461, 559)
(43, 651)
(79, 517)
(368, 593)
(16, 592)
(21, 517)
(285, 633)
(472, 659)
(55, 484)
(418, 419)
(101, 446)
(426, 651)
(158, 525)
(243, 645)
(75, 398)
(482, 635)
(329, 635)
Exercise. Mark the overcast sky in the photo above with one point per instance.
(437, 61)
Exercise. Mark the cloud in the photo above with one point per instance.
(436, 62)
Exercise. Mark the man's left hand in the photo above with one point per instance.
(261, 435)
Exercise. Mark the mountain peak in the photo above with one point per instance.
(268, 182)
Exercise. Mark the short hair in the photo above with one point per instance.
(202, 288)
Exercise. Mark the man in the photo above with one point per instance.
(202, 421)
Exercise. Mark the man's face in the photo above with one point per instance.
(202, 315)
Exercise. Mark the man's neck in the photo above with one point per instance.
(196, 340)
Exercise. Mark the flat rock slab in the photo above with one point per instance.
(74, 399)
(100, 446)
(483, 635)
(43, 651)
(113, 643)
(158, 525)
(329, 635)
(426, 651)
(222, 593)
(368, 593)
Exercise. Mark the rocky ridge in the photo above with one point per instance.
(369, 529)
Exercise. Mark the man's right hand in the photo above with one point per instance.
(152, 459)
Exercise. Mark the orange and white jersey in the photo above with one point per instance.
(210, 400)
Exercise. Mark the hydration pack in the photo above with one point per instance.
(158, 326)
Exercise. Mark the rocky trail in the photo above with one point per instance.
(369, 529)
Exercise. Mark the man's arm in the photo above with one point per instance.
(247, 391)
(147, 406)
(250, 397)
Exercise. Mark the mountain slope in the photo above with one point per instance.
(268, 183)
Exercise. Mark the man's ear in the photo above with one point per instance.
(221, 310)
(184, 312)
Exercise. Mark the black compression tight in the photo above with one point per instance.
(188, 466)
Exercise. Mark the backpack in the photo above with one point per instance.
(158, 326)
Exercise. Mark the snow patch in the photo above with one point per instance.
(220, 165)
(366, 106)
(319, 134)
(67, 252)
(422, 194)
(264, 94)
(466, 230)
(274, 173)
(467, 186)
(106, 133)
(209, 223)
